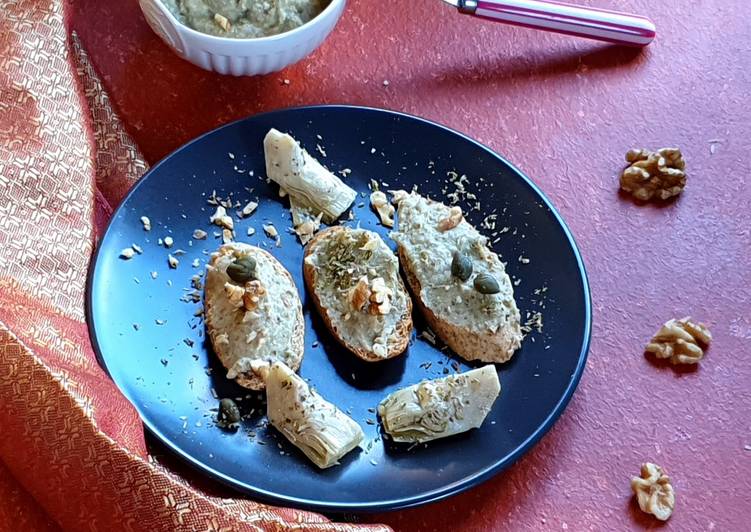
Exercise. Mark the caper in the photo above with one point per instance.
(461, 266)
(486, 284)
(229, 414)
(242, 270)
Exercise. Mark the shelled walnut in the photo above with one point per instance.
(373, 296)
(658, 174)
(385, 210)
(453, 219)
(653, 491)
(380, 297)
(234, 293)
(682, 341)
(253, 293)
(359, 295)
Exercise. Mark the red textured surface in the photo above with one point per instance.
(565, 111)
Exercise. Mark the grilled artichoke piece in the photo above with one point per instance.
(305, 179)
(441, 407)
(315, 426)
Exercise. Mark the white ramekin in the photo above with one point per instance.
(241, 57)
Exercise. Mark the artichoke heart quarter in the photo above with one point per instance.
(315, 426)
(441, 407)
(308, 182)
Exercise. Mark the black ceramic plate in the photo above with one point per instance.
(167, 370)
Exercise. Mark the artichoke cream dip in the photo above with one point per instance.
(242, 19)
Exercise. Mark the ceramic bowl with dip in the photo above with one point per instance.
(238, 55)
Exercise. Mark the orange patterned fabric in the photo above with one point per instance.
(72, 452)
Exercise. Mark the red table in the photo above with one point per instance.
(565, 111)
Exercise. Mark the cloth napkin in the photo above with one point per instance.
(72, 450)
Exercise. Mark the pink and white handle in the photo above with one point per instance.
(548, 15)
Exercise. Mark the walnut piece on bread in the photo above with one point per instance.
(252, 294)
(380, 296)
(234, 294)
(453, 219)
(359, 295)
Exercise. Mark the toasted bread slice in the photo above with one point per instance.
(255, 320)
(475, 325)
(354, 279)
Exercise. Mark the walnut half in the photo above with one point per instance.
(653, 491)
(658, 174)
(682, 341)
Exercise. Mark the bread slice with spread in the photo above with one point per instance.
(354, 279)
(459, 284)
(252, 312)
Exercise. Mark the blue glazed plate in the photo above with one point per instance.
(169, 373)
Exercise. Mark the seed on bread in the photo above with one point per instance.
(486, 284)
(242, 269)
(461, 266)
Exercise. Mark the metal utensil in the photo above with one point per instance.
(548, 15)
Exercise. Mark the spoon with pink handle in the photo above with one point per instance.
(548, 15)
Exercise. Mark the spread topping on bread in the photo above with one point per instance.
(461, 284)
(355, 278)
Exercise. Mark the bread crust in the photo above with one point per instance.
(397, 343)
